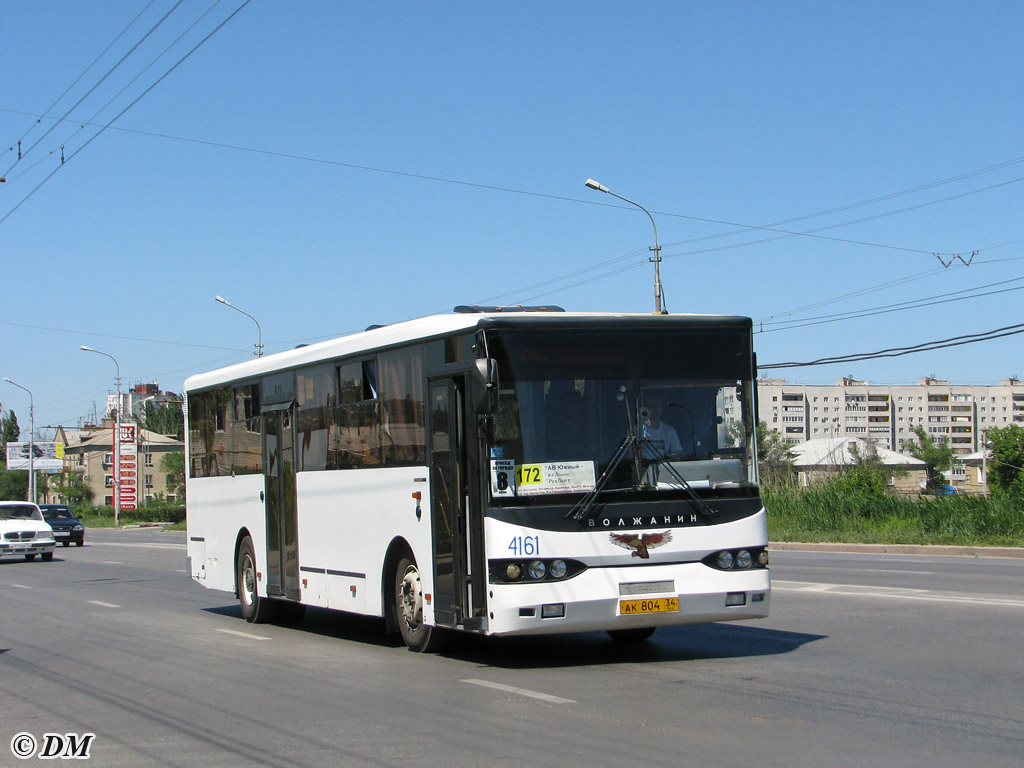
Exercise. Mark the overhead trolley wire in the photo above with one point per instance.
(944, 298)
(73, 84)
(928, 346)
(99, 82)
(123, 111)
(130, 83)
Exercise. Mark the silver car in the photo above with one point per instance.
(24, 532)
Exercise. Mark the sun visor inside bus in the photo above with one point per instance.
(278, 390)
(268, 407)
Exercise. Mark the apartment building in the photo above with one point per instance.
(90, 451)
(887, 414)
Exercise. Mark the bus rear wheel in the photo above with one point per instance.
(255, 609)
(417, 635)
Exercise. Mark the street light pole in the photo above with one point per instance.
(31, 441)
(657, 248)
(117, 435)
(259, 331)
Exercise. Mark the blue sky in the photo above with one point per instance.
(330, 165)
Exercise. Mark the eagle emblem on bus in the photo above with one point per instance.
(640, 544)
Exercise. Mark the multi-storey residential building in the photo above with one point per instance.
(134, 400)
(887, 414)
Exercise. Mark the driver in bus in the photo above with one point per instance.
(658, 439)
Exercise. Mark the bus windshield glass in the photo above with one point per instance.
(635, 410)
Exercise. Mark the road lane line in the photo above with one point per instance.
(21, 586)
(105, 605)
(521, 691)
(895, 593)
(246, 635)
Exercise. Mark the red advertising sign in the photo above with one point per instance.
(128, 466)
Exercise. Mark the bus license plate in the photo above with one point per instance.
(649, 605)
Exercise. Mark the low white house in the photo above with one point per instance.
(817, 460)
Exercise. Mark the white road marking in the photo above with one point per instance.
(521, 691)
(896, 593)
(246, 635)
(21, 586)
(113, 562)
(140, 544)
(105, 605)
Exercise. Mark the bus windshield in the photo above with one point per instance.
(630, 410)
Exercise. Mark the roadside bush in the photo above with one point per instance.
(152, 513)
(836, 512)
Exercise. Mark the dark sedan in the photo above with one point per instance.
(66, 527)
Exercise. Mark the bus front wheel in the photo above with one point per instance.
(255, 609)
(417, 635)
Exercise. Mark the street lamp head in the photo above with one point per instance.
(595, 185)
(222, 300)
(87, 349)
(8, 380)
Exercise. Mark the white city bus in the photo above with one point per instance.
(497, 471)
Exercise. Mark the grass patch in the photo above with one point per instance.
(829, 514)
(103, 517)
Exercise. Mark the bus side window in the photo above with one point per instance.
(403, 407)
(209, 437)
(355, 425)
(315, 391)
(246, 445)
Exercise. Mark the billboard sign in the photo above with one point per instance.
(45, 455)
(128, 466)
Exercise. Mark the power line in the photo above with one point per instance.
(73, 84)
(131, 82)
(928, 346)
(120, 338)
(899, 307)
(813, 232)
(741, 227)
(102, 79)
(862, 203)
(123, 111)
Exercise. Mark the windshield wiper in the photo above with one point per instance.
(582, 508)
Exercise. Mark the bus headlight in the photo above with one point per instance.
(743, 559)
(535, 571)
(725, 560)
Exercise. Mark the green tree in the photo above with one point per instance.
(1006, 448)
(9, 429)
(868, 473)
(173, 464)
(774, 460)
(71, 487)
(935, 453)
(164, 418)
(13, 485)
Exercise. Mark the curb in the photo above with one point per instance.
(899, 549)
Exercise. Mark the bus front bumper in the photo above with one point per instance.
(602, 599)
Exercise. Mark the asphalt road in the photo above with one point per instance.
(866, 660)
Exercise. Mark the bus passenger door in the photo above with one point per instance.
(279, 472)
(448, 499)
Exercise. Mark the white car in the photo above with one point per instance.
(23, 531)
